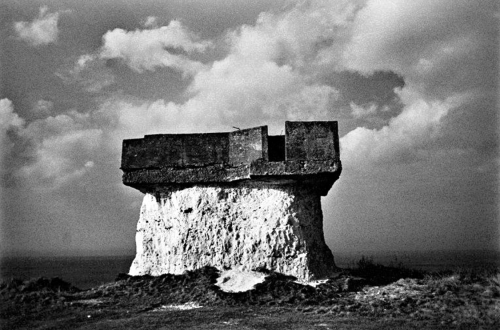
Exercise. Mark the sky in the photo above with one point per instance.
(413, 85)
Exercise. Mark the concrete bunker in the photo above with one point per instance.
(236, 199)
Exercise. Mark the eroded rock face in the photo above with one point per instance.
(249, 225)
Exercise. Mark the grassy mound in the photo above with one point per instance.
(466, 297)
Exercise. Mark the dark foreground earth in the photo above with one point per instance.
(368, 297)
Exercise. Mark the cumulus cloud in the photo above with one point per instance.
(166, 46)
(9, 120)
(435, 46)
(88, 71)
(269, 74)
(265, 78)
(211, 112)
(276, 70)
(59, 159)
(300, 36)
(403, 137)
(236, 90)
(49, 151)
(126, 117)
(359, 111)
(430, 42)
(42, 108)
(41, 31)
(151, 21)
(62, 147)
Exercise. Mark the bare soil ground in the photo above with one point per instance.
(368, 297)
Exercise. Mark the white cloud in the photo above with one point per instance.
(264, 79)
(237, 91)
(43, 108)
(363, 111)
(42, 30)
(158, 47)
(430, 43)
(218, 109)
(151, 21)
(56, 149)
(90, 72)
(127, 118)
(440, 59)
(270, 74)
(273, 69)
(402, 138)
(61, 158)
(9, 120)
(299, 36)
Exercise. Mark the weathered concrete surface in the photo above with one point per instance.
(248, 225)
(308, 141)
(307, 148)
(195, 150)
(148, 179)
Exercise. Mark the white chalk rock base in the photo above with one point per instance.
(279, 227)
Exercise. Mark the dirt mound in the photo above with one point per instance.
(465, 298)
(39, 284)
(200, 286)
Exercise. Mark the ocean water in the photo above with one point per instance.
(82, 272)
(87, 272)
(423, 260)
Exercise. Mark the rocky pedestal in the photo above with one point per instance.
(241, 199)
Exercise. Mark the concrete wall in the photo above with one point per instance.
(175, 150)
(248, 145)
(303, 141)
(311, 140)
(196, 150)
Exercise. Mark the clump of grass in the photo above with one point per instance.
(495, 279)
(378, 274)
(481, 275)
(484, 279)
